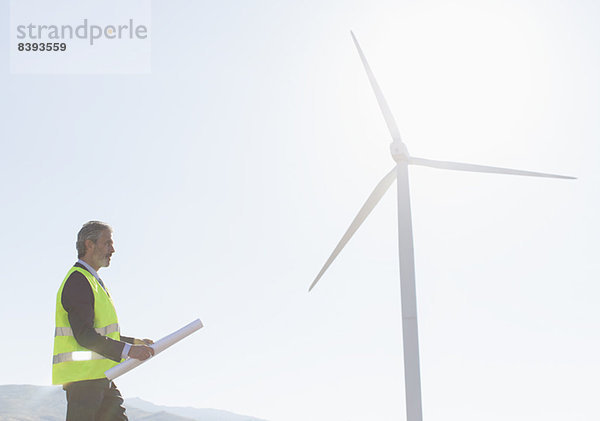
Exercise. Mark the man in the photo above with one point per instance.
(87, 339)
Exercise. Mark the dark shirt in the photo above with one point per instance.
(78, 300)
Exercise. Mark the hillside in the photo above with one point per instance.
(47, 403)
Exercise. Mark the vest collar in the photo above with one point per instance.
(89, 269)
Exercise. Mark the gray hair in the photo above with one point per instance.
(90, 231)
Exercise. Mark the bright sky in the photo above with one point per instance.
(231, 171)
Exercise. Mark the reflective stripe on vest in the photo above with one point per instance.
(77, 356)
(104, 331)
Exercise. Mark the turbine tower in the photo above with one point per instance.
(412, 376)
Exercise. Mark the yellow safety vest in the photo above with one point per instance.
(71, 361)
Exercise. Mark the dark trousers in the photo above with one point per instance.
(94, 400)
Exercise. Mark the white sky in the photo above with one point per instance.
(230, 173)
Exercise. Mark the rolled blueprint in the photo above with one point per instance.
(159, 346)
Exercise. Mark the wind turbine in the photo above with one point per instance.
(412, 376)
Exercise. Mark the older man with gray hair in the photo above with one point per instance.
(87, 339)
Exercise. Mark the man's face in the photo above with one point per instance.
(101, 251)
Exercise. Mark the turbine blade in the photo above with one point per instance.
(459, 166)
(366, 209)
(385, 109)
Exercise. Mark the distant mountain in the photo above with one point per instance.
(135, 414)
(48, 403)
(159, 416)
(195, 414)
(31, 403)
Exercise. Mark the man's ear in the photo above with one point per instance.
(89, 245)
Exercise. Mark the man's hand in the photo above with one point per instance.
(143, 341)
(141, 352)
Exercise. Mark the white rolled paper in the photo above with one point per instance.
(158, 346)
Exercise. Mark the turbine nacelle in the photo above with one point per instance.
(399, 151)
